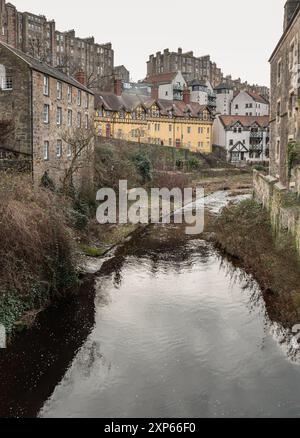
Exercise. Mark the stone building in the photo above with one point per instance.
(192, 67)
(145, 119)
(38, 37)
(245, 138)
(285, 95)
(45, 108)
(122, 74)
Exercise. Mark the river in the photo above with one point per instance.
(171, 328)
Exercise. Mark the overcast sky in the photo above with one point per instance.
(238, 34)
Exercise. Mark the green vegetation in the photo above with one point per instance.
(37, 261)
(244, 232)
(293, 156)
(92, 251)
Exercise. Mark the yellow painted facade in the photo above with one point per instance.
(149, 125)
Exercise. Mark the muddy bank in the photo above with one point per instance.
(244, 233)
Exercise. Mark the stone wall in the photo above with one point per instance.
(15, 104)
(52, 132)
(273, 196)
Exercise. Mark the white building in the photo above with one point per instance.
(245, 103)
(224, 97)
(245, 138)
(202, 92)
(168, 86)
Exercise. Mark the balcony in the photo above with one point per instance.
(177, 87)
(257, 135)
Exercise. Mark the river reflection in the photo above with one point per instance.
(179, 332)
(171, 328)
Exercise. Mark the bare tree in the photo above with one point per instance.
(80, 142)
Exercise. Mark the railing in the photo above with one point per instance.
(258, 135)
(177, 87)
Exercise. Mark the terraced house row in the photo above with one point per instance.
(37, 36)
(43, 112)
(144, 119)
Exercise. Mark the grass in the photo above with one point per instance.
(92, 251)
(244, 232)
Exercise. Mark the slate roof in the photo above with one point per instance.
(246, 121)
(164, 78)
(42, 67)
(129, 102)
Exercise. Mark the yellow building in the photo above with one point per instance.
(181, 124)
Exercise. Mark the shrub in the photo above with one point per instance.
(194, 163)
(36, 251)
(143, 166)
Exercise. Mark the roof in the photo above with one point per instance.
(195, 82)
(296, 13)
(223, 86)
(164, 78)
(129, 102)
(42, 67)
(255, 96)
(246, 121)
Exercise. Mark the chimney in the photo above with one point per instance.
(154, 92)
(118, 87)
(289, 10)
(81, 77)
(187, 96)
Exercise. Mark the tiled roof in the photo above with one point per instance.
(37, 65)
(164, 78)
(258, 97)
(128, 102)
(246, 121)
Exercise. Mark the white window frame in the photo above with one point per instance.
(46, 151)
(58, 148)
(46, 119)
(46, 86)
(59, 116)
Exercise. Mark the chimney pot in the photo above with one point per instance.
(187, 96)
(154, 92)
(118, 87)
(81, 77)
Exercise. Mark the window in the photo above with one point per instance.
(6, 83)
(278, 111)
(79, 97)
(46, 150)
(46, 86)
(59, 90)
(230, 142)
(69, 151)
(86, 101)
(277, 149)
(69, 94)
(46, 114)
(59, 116)
(236, 107)
(170, 142)
(189, 130)
(70, 118)
(79, 120)
(86, 121)
(279, 70)
(58, 148)
(170, 128)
